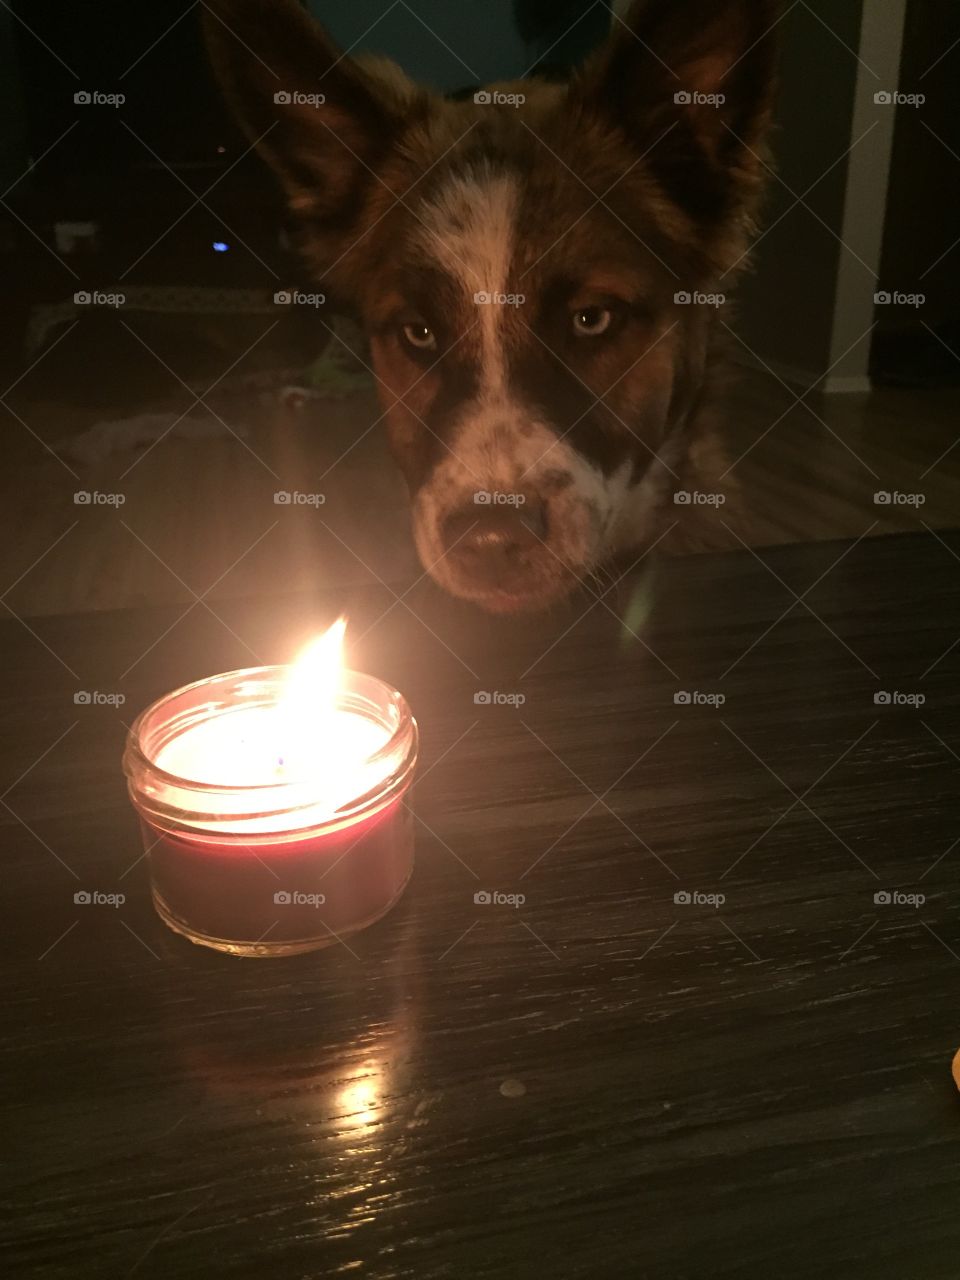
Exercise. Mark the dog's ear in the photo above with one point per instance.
(311, 112)
(691, 83)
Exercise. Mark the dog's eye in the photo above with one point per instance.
(590, 322)
(419, 336)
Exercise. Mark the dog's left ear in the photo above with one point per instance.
(691, 83)
(309, 110)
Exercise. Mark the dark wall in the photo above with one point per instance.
(13, 135)
(923, 211)
(113, 46)
(787, 301)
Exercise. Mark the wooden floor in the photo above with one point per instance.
(199, 521)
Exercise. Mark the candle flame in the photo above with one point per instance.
(314, 680)
(306, 707)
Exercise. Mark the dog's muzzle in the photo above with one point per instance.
(496, 547)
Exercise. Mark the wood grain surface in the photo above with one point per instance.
(603, 1081)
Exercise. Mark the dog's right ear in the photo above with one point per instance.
(691, 83)
(311, 113)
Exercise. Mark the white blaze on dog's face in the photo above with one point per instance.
(516, 269)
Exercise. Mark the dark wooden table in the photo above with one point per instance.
(605, 1081)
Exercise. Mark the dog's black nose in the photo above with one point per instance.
(493, 542)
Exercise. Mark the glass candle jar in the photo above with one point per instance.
(255, 862)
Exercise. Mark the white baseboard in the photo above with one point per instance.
(837, 386)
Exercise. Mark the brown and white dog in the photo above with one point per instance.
(521, 262)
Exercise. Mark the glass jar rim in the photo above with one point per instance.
(195, 784)
(145, 778)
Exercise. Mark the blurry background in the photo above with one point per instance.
(200, 397)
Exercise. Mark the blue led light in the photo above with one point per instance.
(220, 246)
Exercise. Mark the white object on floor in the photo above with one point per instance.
(127, 434)
(69, 237)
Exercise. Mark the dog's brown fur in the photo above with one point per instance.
(604, 195)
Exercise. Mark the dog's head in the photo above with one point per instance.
(521, 260)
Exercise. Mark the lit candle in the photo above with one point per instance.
(272, 803)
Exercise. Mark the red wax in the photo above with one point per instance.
(307, 891)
